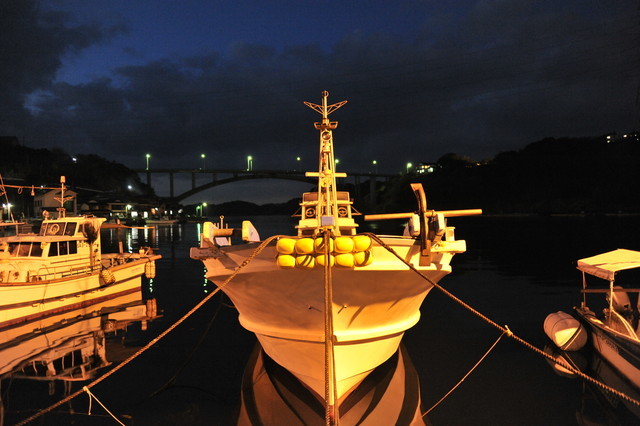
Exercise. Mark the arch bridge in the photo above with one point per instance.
(225, 176)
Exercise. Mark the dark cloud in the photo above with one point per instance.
(33, 44)
(475, 81)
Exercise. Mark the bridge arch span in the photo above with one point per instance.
(242, 177)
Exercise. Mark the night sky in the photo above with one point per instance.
(176, 79)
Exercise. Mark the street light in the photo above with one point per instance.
(409, 165)
(203, 161)
(375, 166)
(298, 160)
(249, 163)
(200, 207)
(8, 207)
(148, 156)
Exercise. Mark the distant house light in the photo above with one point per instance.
(425, 168)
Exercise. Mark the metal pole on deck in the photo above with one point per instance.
(331, 414)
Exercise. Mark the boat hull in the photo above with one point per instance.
(372, 307)
(23, 302)
(621, 352)
(390, 395)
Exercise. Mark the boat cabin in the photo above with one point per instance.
(64, 246)
(311, 214)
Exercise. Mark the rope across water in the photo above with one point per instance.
(505, 329)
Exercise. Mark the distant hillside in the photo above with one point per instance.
(554, 175)
(565, 175)
(44, 167)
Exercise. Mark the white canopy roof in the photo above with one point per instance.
(606, 265)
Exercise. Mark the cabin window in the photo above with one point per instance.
(62, 248)
(36, 250)
(310, 213)
(70, 229)
(25, 249)
(55, 228)
(13, 248)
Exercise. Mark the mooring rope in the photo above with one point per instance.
(92, 397)
(505, 329)
(331, 414)
(465, 376)
(156, 339)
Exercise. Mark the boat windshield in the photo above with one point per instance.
(58, 228)
(25, 249)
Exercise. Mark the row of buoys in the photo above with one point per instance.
(150, 269)
(344, 251)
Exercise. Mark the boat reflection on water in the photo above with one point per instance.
(69, 347)
(599, 406)
(272, 395)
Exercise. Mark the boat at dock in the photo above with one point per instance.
(614, 333)
(63, 267)
(330, 304)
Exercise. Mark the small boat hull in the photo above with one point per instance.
(620, 351)
(23, 302)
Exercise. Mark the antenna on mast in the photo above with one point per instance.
(62, 212)
(327, 193)
(325, 110)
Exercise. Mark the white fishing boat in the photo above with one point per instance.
(329, 304)
(614, 334)
(63, 268)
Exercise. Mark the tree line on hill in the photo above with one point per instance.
(45, 166)
(552, 176)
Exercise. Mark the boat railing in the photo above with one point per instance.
(48, 273)
(430, 213)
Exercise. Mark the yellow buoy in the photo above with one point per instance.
(343, 245)
(304, 246)
(361, 243)
(362, 258)
(150, 269)
(305, 261)
(345, 260)
(286, 261)
(319, 245)
(321, 260)
(286, 245)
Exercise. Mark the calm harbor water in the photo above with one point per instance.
(516, 271)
